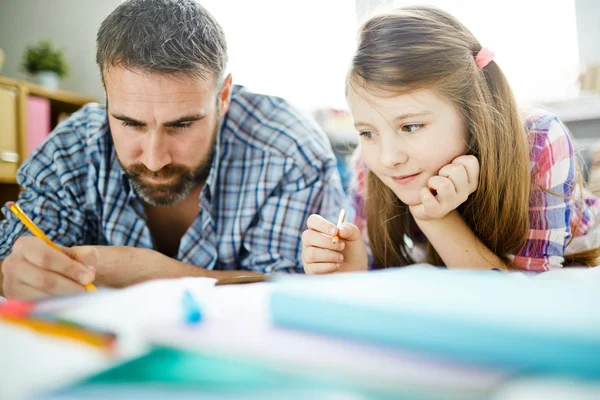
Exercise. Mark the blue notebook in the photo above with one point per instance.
(510, 320)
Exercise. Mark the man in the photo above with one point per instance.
(182, 174)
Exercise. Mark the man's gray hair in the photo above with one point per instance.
(162, 36)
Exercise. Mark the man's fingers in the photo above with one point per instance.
(25, 292)
(47, 281)
(42, 255)
(85, 255)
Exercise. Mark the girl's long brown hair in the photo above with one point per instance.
(423, 47)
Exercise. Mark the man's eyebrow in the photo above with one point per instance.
(185, 118)
(124, 118)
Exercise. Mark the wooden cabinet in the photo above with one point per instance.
(15, 145)
(9, 149)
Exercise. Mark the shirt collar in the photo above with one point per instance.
(210, 186)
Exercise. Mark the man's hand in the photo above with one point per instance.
(35, 270)
(453, 185)
(122, 266)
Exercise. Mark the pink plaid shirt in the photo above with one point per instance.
(562, 222)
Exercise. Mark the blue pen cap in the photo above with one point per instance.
(191, 309)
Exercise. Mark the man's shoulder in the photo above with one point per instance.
(87, 123)
(271, 124)
(80, 135)
(75, 144)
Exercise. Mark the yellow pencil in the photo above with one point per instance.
(51, 328)
(341, 218)
(38, 233)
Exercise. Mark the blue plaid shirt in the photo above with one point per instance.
(272, 169)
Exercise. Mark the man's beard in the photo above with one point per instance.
(184, 179)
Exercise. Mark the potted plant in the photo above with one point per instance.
(45, 63)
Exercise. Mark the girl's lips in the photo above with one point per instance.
(405, 179)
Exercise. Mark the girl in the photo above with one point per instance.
(454, 175)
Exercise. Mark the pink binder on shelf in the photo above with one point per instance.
(38, 121)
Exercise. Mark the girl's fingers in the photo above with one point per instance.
(457, 173)
(445, 190)
(431, 206)
(312, 238)
(441, 183)
(321, 268)
(350, 232)
(471, 164)
(320, 224)
(312, 255)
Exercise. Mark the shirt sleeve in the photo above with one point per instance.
(274, 244)
(550, 205)
(51, 179)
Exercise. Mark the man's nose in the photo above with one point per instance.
(156, 153)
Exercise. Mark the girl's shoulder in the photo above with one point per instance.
(550, 141)
(541, 121)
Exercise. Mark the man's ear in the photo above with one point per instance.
(225, 95)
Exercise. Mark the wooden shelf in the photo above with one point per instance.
(62, 96)
(10, 181)
(14, 135)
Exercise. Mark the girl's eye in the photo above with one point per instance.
(367, 134)
(411, 128)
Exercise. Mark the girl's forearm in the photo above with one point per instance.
(457, 245)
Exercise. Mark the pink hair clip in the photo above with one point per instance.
(484, 57)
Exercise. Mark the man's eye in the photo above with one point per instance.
(131, 124)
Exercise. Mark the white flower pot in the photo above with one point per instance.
(48, 79)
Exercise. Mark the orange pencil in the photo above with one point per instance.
(102, 340)
(341, 218)
(38, 233)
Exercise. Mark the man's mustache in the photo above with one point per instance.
(167, 171)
